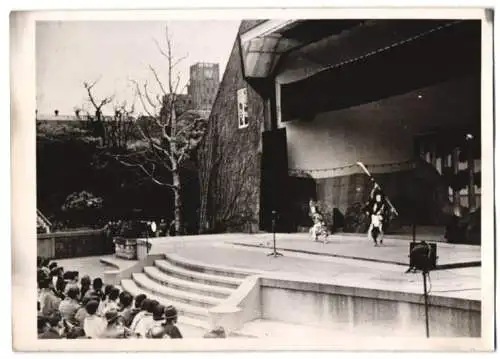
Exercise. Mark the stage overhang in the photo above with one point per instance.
(381, 59)
(264, 45)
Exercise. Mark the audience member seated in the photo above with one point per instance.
(81, 313)
(93, 325)
(126, 310)
(70, 305)
(48, 327)
(71, 279)
(96, 290)
(115, 328)
(144, 320)
(158, 321)
(49, 302)
(84, 286)
(170, 323)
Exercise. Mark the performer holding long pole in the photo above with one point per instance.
(360, 164)
(376, 208)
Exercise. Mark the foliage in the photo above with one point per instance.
(81, 201)
(356, 220)
(82, 207)
(69, 160)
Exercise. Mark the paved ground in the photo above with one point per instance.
(90, 266)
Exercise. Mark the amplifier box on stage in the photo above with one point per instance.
(423, 255)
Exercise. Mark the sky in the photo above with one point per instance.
(115, 52)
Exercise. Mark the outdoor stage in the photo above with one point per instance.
(346, 260)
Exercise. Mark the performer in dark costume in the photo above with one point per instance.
(375, 208)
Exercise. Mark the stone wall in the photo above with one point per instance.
(74, 244)
(368, 312)
(229, 157)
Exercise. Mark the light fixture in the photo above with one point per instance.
(419, 97)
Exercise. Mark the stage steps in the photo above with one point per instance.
(192, 288)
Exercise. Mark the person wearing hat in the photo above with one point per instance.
(158, 321)
(115, 328)
(170, 320)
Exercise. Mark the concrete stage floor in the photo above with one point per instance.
(392, 251)
(351, 261)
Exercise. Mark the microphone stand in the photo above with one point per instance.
(274, 253)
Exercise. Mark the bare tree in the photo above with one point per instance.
(167, 138)
(97, 119)
(114, 131)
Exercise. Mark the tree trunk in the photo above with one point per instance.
(177, 202)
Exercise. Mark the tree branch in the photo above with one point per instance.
(157, 78)
(145, 171)
(141, 98)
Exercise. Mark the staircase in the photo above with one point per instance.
(190, 287)
(42, 222)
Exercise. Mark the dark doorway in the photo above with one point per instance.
(302, 190)
(274, 194)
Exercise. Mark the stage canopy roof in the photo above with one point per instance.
(344, 63)
(388, 58)
(263, 45)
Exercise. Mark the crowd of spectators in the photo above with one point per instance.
(80, 308)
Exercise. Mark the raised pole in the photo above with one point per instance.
(426, 304)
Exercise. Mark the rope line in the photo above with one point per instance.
(388, 47)
(340, 168)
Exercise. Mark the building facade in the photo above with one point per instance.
(203, 85)
(301, 101)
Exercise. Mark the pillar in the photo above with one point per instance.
(433, 158)
(454, 164)
(471, 169)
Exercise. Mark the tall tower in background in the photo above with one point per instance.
(203, 85)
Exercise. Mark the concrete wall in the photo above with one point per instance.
(380, 132)
(381, 135)
(73, 244)
(367, 312)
